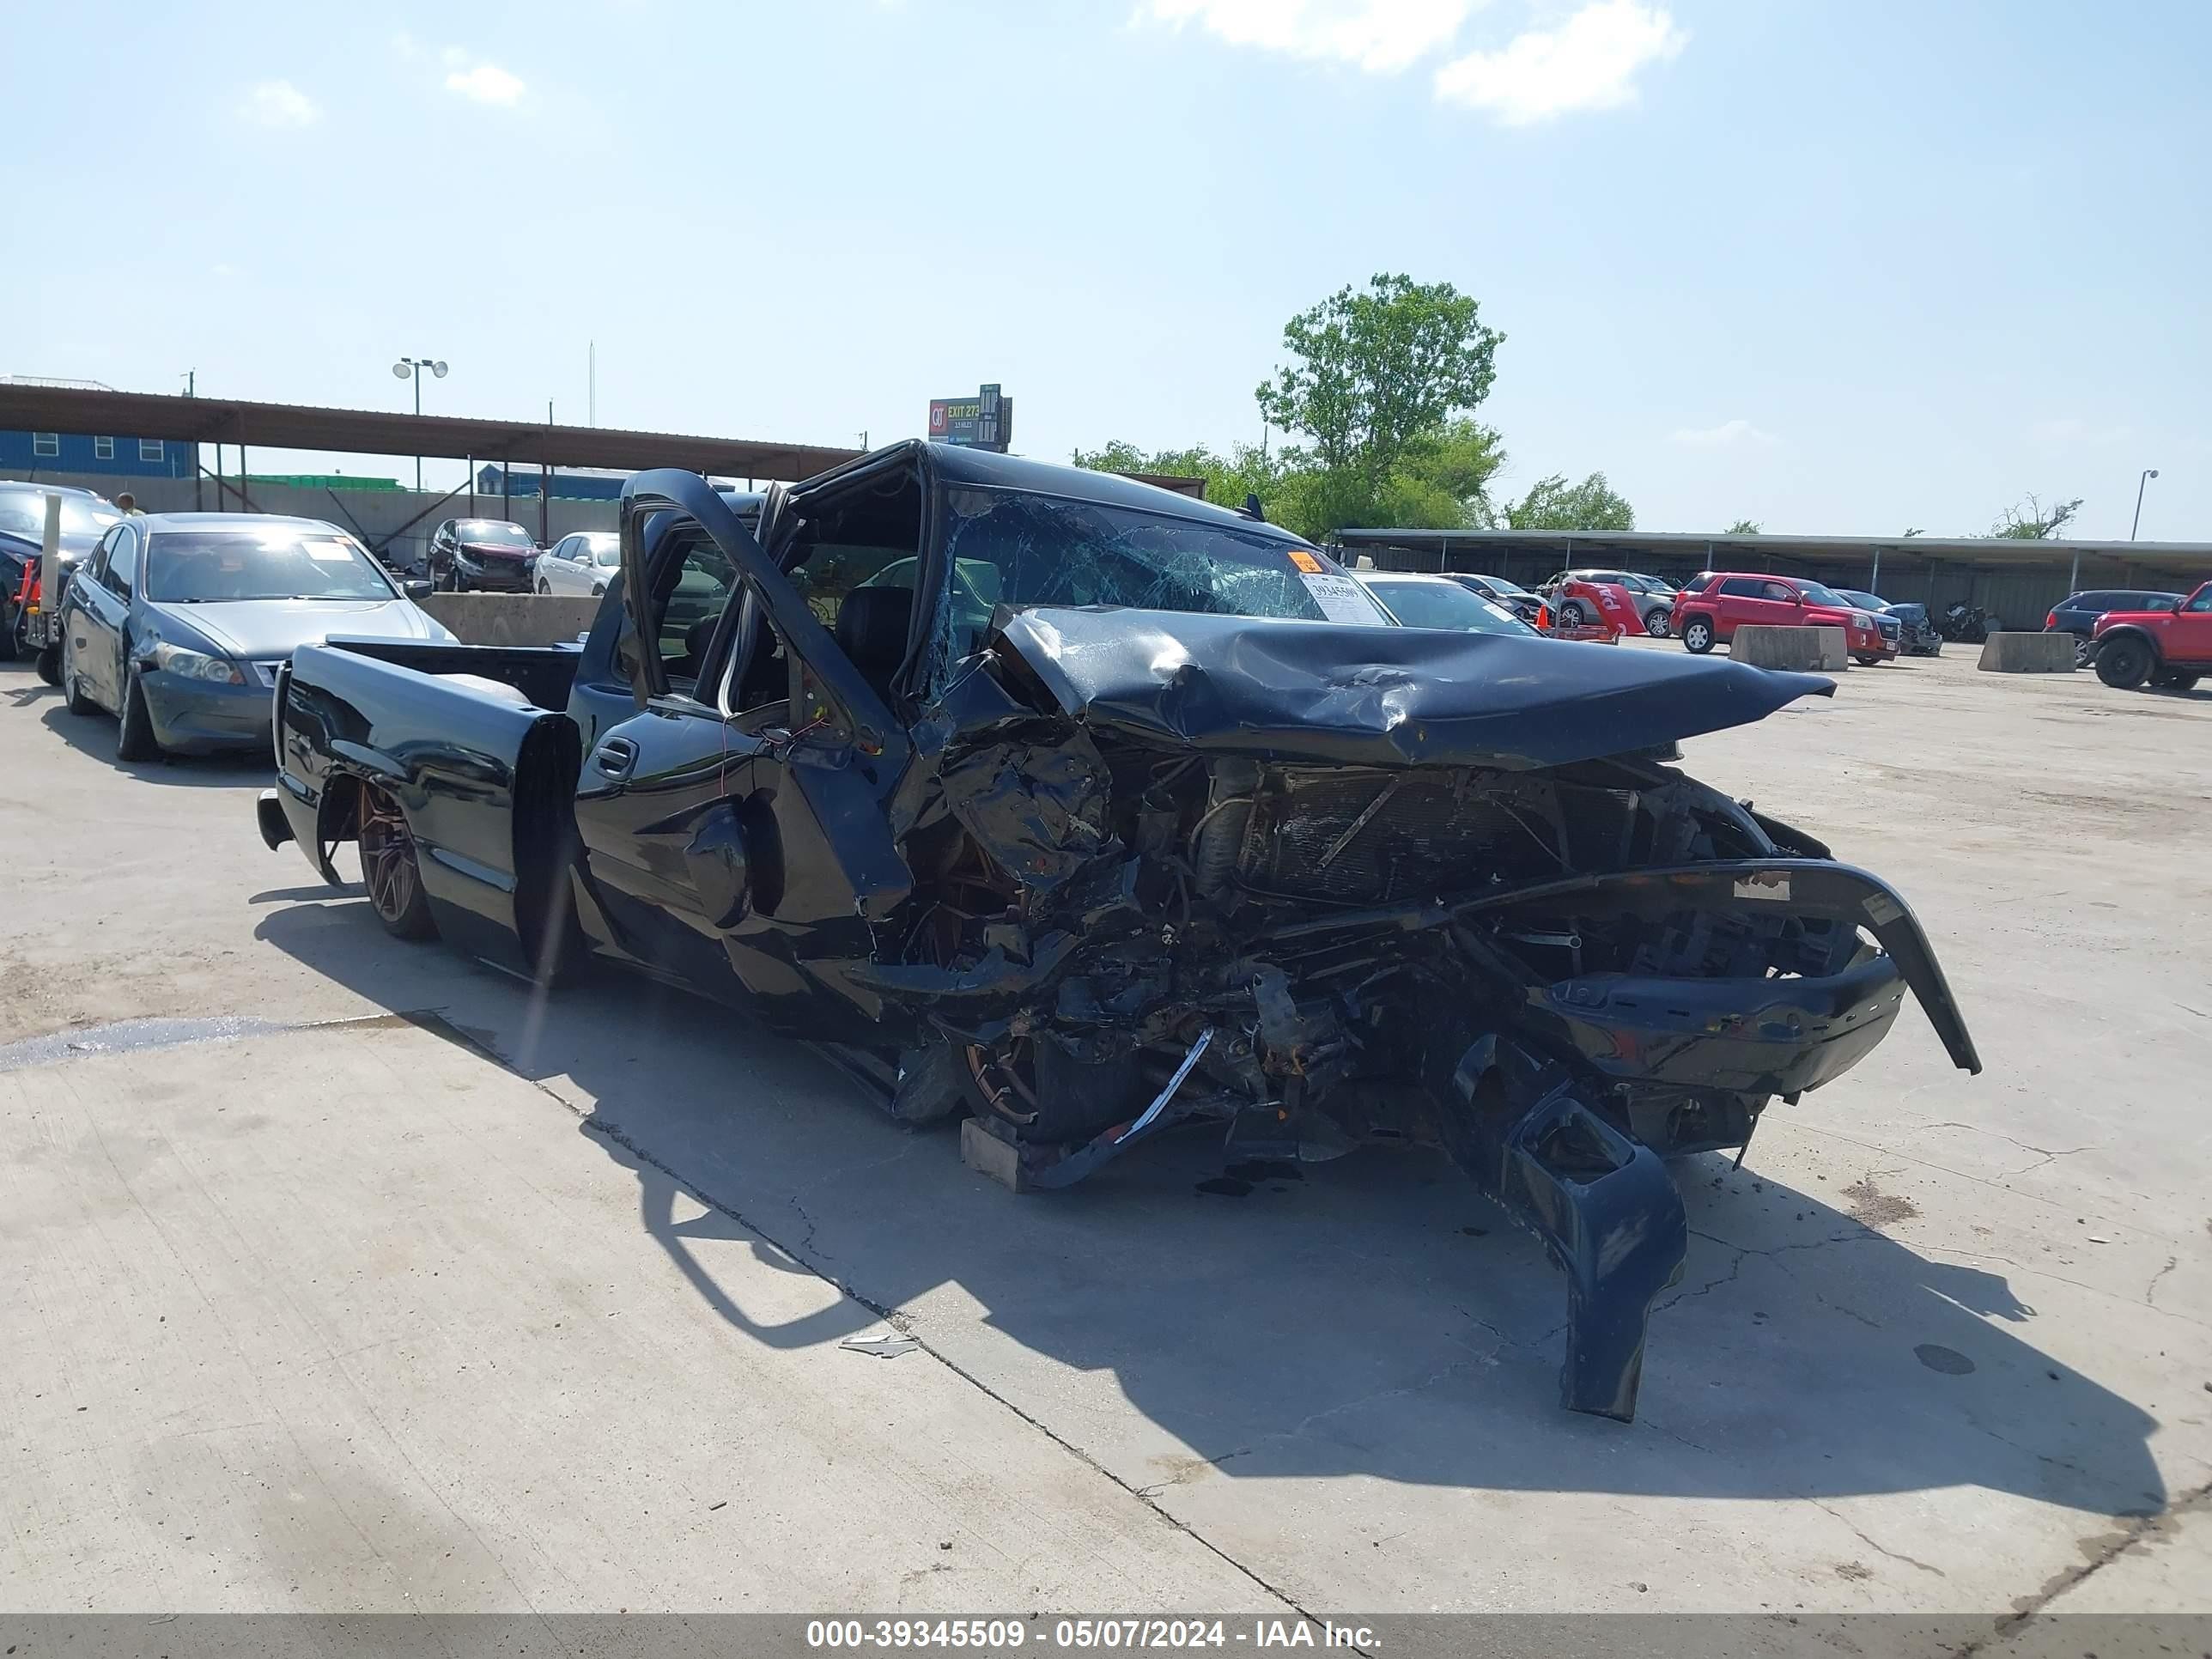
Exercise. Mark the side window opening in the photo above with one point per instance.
(855, 559)
(688, 602)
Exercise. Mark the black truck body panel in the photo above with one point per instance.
(1088, 872)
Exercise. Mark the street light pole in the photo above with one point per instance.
(2150, 472)
(412, 368)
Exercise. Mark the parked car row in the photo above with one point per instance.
(176, 623)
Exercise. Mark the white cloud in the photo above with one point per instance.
(1380, 36)
(406, 45)
(487, 83)
(1589, 62)
(1727, 436)
(279, 104)
(2073, 430)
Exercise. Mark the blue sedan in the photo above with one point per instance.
(178, 622)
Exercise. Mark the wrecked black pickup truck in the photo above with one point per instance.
(1090, 809)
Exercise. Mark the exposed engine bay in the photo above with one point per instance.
(1558, 973)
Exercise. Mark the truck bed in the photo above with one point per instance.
(475, 746)
(544, 675)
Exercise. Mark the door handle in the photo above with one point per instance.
(616, 756)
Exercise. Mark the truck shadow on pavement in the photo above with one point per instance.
(1374, 1316)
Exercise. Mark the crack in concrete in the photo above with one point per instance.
(1860, 1533)
(2045, 1152)
(2101, 1549)
(2150, 1290)
(1942, 1169)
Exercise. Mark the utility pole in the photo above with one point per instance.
(412, 368)
(590, 383)
(2140, 484)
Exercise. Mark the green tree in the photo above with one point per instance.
(1744, 527)
(1552, 503)
(2031, 522)
(1244, 470)
(1377, 373)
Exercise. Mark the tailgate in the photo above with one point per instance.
(484, 773)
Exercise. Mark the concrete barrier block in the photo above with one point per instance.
(512, 618)
(1789, 647)
(2027, 653)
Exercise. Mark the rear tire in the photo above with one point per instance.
(389, 868)
(544, 587)
(49, 665)
(1697, 635)
(1867, 662)
(1571, 614)
(2124, 664)
(1659, 623)
(134, 731)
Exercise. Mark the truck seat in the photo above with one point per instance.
(872, 630)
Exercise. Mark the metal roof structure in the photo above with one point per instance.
(1635, 548)
(36, 408)
(2011, 579)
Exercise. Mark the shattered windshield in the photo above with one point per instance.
(1021, 549)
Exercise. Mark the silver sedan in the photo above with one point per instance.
(579, 566)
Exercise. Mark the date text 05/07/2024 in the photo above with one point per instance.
(1010, 1635)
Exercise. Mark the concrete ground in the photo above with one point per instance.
(338, 1273)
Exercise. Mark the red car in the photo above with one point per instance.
(2169, 648)
(1734, 600)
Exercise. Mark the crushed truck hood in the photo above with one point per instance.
(1379, 696)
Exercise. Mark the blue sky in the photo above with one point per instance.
(1837, 267)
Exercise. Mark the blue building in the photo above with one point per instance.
(28, 455)
(570, 484)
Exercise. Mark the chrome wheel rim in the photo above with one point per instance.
(387, 856)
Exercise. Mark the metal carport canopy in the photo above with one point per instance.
(371, 432)
(2189, 562)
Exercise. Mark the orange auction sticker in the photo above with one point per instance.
(1305, 561)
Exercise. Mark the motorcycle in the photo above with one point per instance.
(1968, 624)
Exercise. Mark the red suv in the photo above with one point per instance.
(2169, 648)
(1732, 599)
